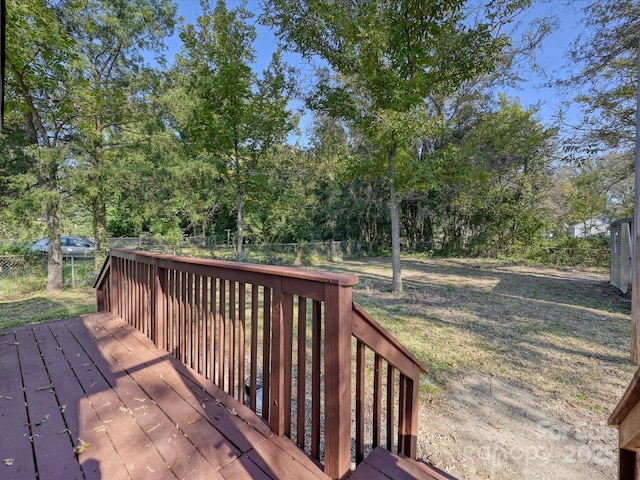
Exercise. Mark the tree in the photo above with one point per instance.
(40, 104)
(233, 116)
(115, 115)
(388, 57)
(607, 58)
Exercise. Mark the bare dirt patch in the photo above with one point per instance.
(526, 363)
(487, 428)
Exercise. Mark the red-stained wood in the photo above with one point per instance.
(390, 405)
(197, 336)
(287, 311)
(253, 362)
(316, 340)
(142, 412)
(266, 352)
(276, 407)
(360, 407)
(14, 437)
(177, 309)
(384, 465)
(231, 371)
(377, 399)
(301, 373)
(222, 318)
(212, 330)
(337, 380)
(242, 307)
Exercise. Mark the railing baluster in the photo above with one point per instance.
(360, 367)
(221, 331)
(377, 399)
(301, 372)
(316, 347)
(232, 338)
(287, 311)
(254, 348)
(266, 352)
(183, 317)
(390, 405)
(196, 324)
(212, 331)
(189, 321)
(242, 292)
(205, 327)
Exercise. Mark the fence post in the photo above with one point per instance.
(337, 375)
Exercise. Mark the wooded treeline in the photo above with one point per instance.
(412, 144)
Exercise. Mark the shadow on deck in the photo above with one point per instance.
(96, 381)
(93, 398)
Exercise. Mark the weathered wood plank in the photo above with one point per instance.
(14, 443)
(382, 464)
(98, 376)
(160, 418)
(290, 466)
(53, 450)
(204, 397)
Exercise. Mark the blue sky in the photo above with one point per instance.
(533, 91)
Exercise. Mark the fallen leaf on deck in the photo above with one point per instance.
(8, 461)
(40, 422)
(81, 447)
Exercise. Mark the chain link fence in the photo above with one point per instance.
(266, 253)
(21, 274)
(28, 273)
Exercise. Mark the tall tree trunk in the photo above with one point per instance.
(100, 232)
(55, 280)
(99, 205)
(395, 223)
(239, 239)
(239, 205)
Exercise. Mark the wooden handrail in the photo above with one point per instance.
(235, 323)
(371, 334)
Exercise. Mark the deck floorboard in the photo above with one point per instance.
(141, 414)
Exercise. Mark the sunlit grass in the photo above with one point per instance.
(39, 306)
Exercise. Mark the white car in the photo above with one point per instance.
(70, 245)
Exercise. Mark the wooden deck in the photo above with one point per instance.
(93, 398)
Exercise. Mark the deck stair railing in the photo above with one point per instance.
(290, 343)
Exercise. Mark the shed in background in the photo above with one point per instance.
(621, 248)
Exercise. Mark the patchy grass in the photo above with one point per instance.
(40, 306)
(561, 333)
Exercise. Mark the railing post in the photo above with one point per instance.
(281, 318)
(408, 416)
(337, 375)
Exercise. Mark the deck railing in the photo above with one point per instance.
(290, 343)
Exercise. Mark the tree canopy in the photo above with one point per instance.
(412, 144)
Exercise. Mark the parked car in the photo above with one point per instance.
(70, 245)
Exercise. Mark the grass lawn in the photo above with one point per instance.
(40, 307)
(561, 333)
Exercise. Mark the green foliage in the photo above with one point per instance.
(567, 251)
